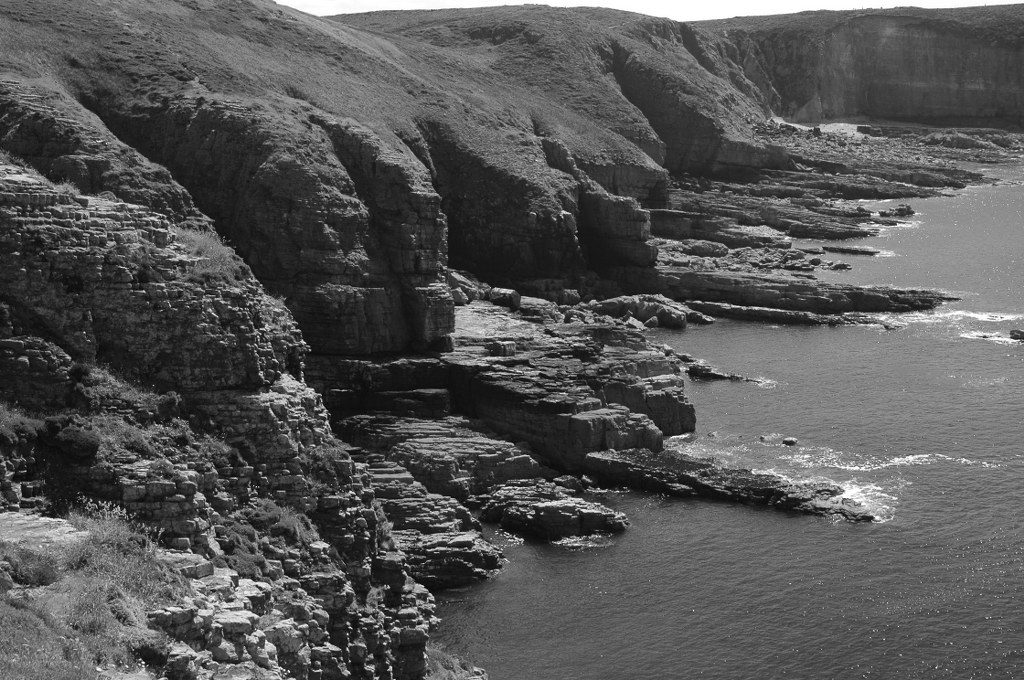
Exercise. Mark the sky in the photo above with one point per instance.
(682, 11)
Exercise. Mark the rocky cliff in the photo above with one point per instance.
(201, 414)
(505, 134)
(940, 67)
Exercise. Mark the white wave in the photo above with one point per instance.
(503, 537)
(872, 497)
(952, 316)
(881, 503)
(772, 437)
(764, 383)
(908, 224)
(577, 543)
(886, 253)
(986, 382)
(837, 460)
(991, 337)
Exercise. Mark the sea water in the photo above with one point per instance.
(924, 423)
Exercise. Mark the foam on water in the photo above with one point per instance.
(880, 502)
(581, 543)
(953, 317)
(816, 458)
(996, 338)
(885, 230)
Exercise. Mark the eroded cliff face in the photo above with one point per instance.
(206, 415)
(934, 67)
(341, 157)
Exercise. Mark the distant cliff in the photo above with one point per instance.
(943, 67)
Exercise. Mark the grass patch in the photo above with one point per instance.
(29, 567)
(85, 603)
(67, 188)
(32, 647)
(102, 389)
(6, 158)
(14, 421)
(216, 261)
(444, 666)
(122, 551)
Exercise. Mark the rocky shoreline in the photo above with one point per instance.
(312, 326)
(533, 404)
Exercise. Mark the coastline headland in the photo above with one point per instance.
(303, 302)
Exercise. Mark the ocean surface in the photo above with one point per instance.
(924, 423)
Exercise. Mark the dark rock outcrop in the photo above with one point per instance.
(545, 510)
(677, 473)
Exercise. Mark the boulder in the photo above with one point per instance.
(643, 308)
(505, 297)
(546, 510)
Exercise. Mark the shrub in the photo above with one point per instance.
(263, 518)
(67, 188)
(9, 159)
(78, 441)
(268, 517)
(14, 421)
(105, 389)
(217, 262)
(241, 552)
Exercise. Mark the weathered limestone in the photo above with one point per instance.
(545, 510)
(439, 535)
(666, 312)
(681, 224)
(107, 281)
(114, 283)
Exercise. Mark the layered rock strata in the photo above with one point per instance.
(89, 280)
(544, 509)
(575, 392)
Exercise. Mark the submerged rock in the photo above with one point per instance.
(901, 210)
(651, 310)
(677, 473)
